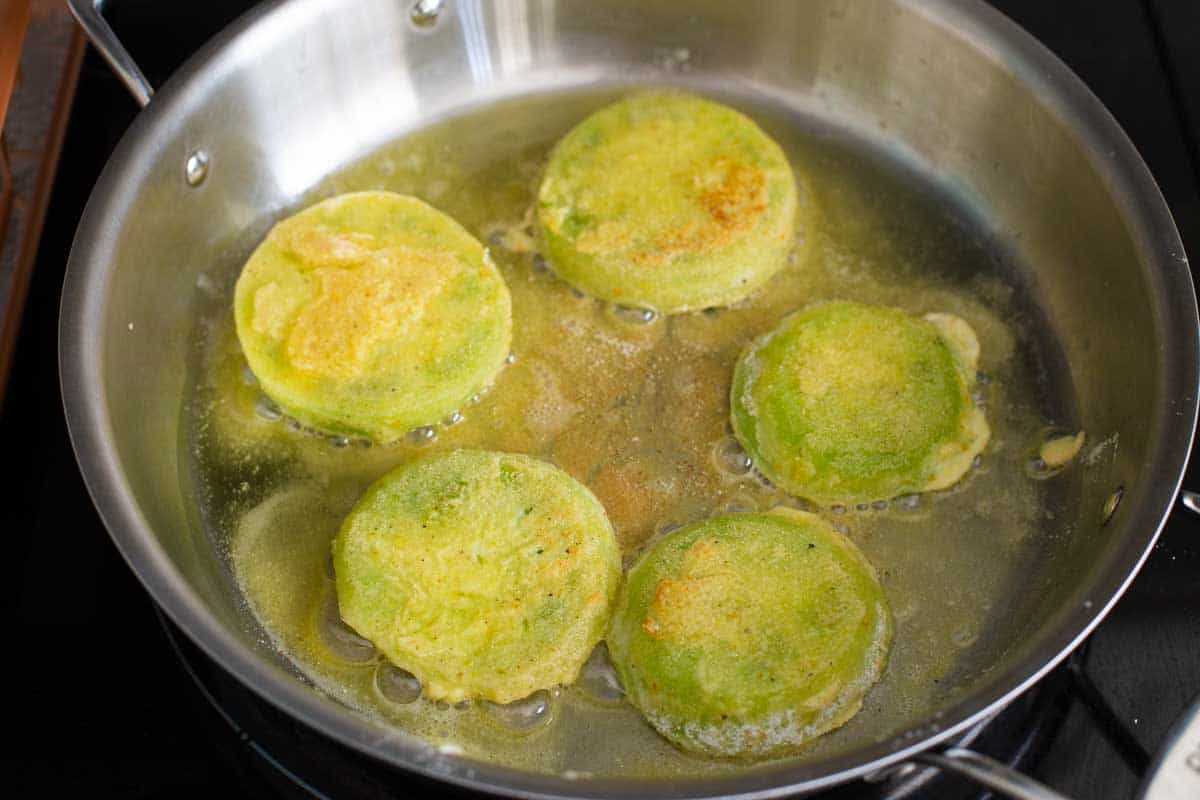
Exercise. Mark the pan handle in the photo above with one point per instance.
(988, 772)
(87, 13)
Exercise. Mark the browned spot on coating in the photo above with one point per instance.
(733, 194)
(719, 202)
(696, 605)
(738, 196)
(320, 245)
(361, 307)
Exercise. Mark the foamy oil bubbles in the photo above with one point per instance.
(420, 436)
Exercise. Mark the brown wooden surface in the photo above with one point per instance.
(14, 16)
(46, 69)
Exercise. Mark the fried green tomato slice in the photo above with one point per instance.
(748, 635)
(486, 575)
(851, 403)
(669, 202)
(370, 314)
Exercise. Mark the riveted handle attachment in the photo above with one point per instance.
(88, 14)
(988, 772)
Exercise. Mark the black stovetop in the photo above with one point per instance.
(104, 701)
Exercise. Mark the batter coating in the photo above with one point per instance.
(749, 635)
(851, 403)
(486, 575)
(370, 314)
(669, 202)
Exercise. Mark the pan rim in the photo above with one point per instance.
(80, 364)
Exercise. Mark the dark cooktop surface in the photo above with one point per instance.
(108, 703)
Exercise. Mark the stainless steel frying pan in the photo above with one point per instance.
(296, 89)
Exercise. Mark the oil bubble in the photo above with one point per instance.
(453, 418)
(265, 407)
(340, 638)
(207, 285)
(397, 685)
(637, 316)
(1036, 468)
(599, 679)
(527, 714)
(740, 503)
(422, 435)
(964, 638)
(730, 457)
(800, 504)
(905, 611)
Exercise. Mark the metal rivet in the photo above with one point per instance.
(195, 170)
(426, 12)
(1110, 505)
